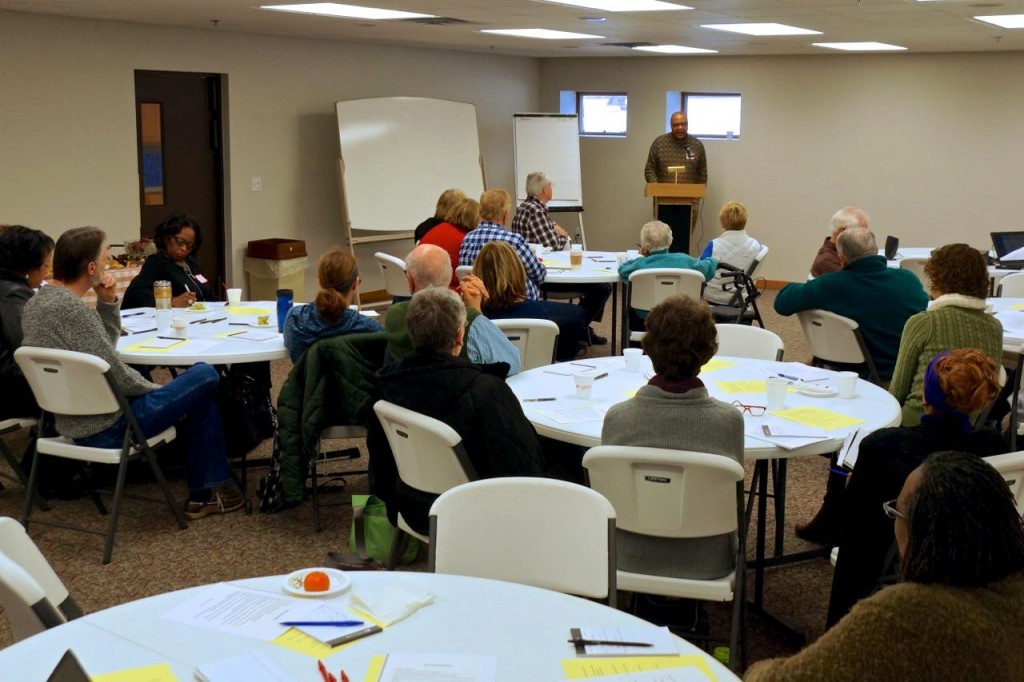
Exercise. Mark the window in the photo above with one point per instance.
(712, 114)
(602, 113)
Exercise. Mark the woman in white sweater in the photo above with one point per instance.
(735, 247)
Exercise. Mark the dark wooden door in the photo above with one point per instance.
(181, 160)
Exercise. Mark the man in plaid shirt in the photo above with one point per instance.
(494, 207)
(536, 226)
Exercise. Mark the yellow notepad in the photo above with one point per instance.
(716, 364)
(746, 386)
(140, 347)
(815, 416)
(587, 668)
(160, 672)
(299, 642)
(246, 310)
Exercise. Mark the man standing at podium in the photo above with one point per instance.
(685, 155)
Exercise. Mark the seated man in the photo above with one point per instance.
(655, 238)
(428, 266)
(472, 399)
(878, 298)
(827, 259)
(494, 207)
(56, 317)
(533, 222)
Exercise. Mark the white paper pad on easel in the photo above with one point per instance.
(243, 611)
(243, 668)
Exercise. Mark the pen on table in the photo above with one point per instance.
(197, 321)
(239, 324)
(171, 338)
(607, 642)
(786, 376)
(332, 623)
(538, 400)
(141, 312)
(142, 331)
(216, 319)
(601, 376)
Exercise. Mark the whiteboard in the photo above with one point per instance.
(398, 154)
(549, 143)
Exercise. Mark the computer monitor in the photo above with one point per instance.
(892, 245)
(1006, 242)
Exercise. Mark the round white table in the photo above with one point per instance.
(525, 628)
(1010, 313)
(995, 274)
(598, 268)
(873, 404)
(211, 342)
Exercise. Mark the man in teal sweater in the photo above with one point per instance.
(879, 298)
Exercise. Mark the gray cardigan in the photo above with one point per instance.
(56, 318)
(680, 421)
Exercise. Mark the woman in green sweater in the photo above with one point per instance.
(955, 319)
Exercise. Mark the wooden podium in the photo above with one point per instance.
(674, 203)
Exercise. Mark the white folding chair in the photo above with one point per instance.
(1011, 286)
(336, 432)
(392, 269)
(429, 456)
(18, 546)
(534, 531)
(535, 340)
(916, 265)
(834, 339)
(24, 601)
(8, 427)
(741, 341)
(69, 383)
(463, 270)
(1011, 467)
(676, 494)
(648, 288)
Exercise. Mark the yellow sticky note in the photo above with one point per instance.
(740, 386)
(160, 672)
(140, 347)
(375, 668)
(715, 364)
(630, 394)
(815, 416)
(587, 668)
(1017, 306)
(299, 642)
(246, 310)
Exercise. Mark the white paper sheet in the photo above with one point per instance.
(329, 633)
(242, 611)
(798, 434)
(795, 371)
(568, 369)
(256, 336)
(575, 414)
(685, 674)
(160, 343)
(851, 448)
(1013, 323)
(438, 668)
(660, 637)
(243, 668)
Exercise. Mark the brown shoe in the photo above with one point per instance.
(222, 502)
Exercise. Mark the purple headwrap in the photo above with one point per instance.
(933, 396)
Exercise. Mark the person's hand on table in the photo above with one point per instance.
(559, 230)
(106, 290)
(473, 291)
(183, 300)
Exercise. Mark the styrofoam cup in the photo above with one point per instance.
(633, 357)
(234, 296)
(775, 393)
(584, 385)
(846, 384)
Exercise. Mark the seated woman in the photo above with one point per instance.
(56, 317)
(445, 202)
(959, 611)
(955, 384)
(177, 240)
(330, 314)
(655, 238)
(955, 319)
(734, 247)
(460, 220)
(25, 257)
(472, 399)
(675, 411)
(499, 268)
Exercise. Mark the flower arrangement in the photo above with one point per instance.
(139, 249)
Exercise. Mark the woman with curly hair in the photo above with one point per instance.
(955, 384)
(955, 319)
(177, 240)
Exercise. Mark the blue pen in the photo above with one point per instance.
(329, 623)
(786, 376)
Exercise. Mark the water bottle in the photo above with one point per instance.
(284, 304)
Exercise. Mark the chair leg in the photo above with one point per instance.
(33, 482)
(398, 546)
(122, 473)
(316, 496)
(172, 502)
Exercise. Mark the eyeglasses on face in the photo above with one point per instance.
(752, 410)
(179, 242)
(891, 511)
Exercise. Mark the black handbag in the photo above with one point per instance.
(246, 410)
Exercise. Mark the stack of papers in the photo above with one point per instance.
(335, 635)
(432, 668)
(785, 434)
(392, 602)
(251, 666)
(243, 611)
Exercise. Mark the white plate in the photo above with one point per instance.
(817, 391)
(268, 325)
(339, 582)
(205, 309)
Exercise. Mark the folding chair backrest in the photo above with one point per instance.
(742, 341)
(67, 382)
(534, 339)
(666, 493)
(463, 270)
(1011, 467)
(1012, 286)
(831, 337)
(428, 453)
(19, 547)
(648, 288)
(916, 265)
(392, 269)
(24, 601)
(758, 260)
(534, 531)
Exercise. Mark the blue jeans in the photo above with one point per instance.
(190, 399)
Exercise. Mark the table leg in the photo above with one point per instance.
(780, 505)
(615, 305)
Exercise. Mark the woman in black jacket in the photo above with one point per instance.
(177, 240)
(25, 256)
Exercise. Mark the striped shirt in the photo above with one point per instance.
(536, 226)
(491, 232)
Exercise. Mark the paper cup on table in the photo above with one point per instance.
(846, 384)
(163, 321)
(179, 327)
(775, 389)
(234, 296)
(632, 356)
(584, 385)
(620, 258)
(632, 254)
(576, 256)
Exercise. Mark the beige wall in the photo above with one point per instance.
(929, 145)
(67, 122)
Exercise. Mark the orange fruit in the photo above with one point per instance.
(316, 581)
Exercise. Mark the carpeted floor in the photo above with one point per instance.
(151, 555)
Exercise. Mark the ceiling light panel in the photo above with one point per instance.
(334, 9)
(763, 29)
(674, 49)
(621, 5)
(1004, 20)
(861, 47)
(542, 34)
